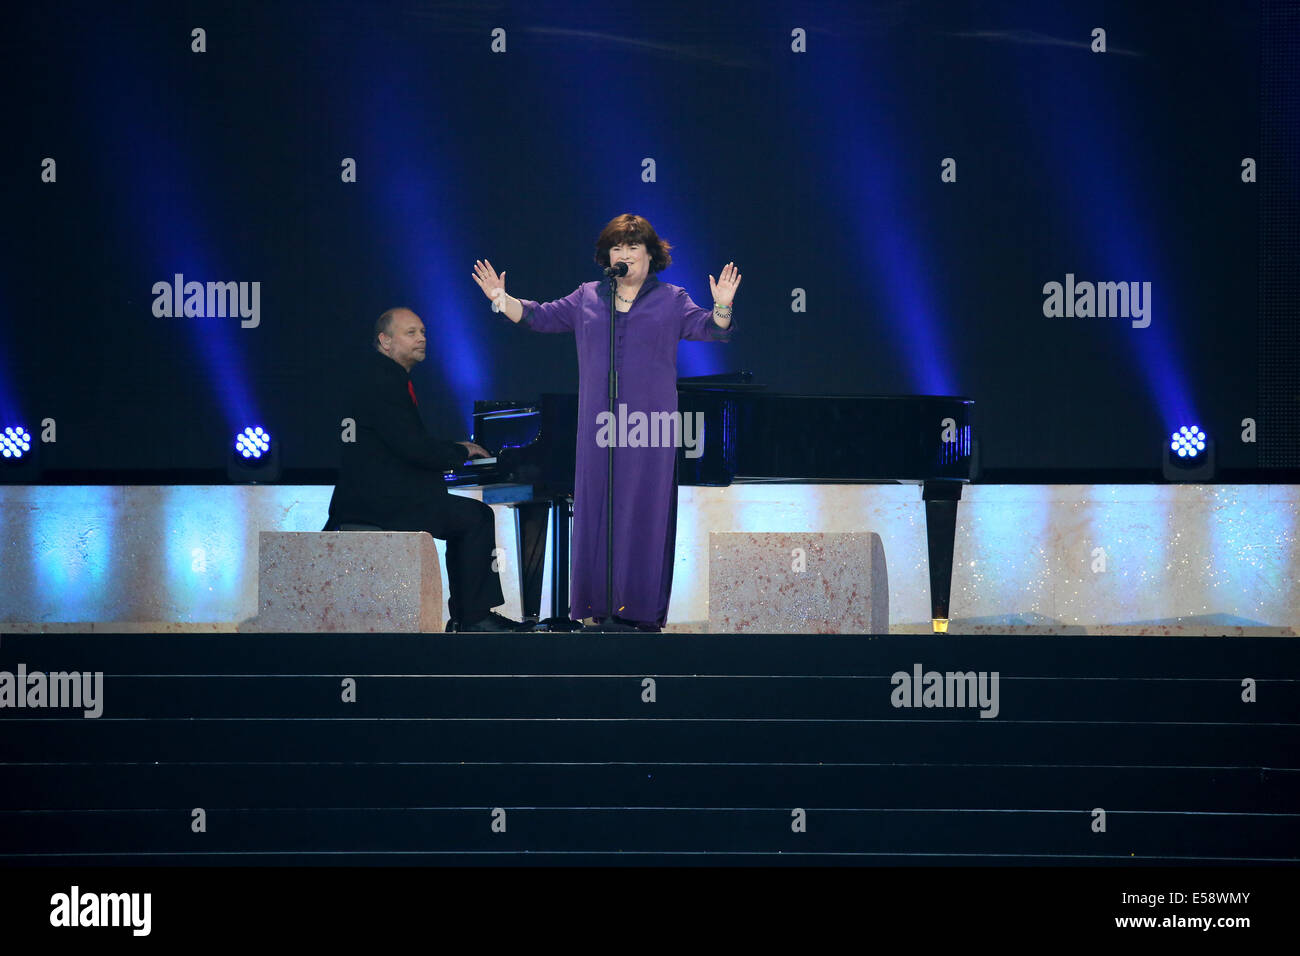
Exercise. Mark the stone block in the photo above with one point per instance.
(375, 581)
(795, 583)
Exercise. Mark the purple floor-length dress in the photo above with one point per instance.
(645, 478)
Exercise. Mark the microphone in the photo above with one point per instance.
(617, 270)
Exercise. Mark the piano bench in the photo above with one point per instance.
(350, 581)
(813, 583)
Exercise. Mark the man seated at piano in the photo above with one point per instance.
(390, 477)
(655, 316)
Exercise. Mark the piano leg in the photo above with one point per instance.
(940, 499)
(530, 534)
(562, 522)
(530, 538)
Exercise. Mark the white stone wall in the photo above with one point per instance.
(1178, 558)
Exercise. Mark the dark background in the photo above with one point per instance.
(818, 171)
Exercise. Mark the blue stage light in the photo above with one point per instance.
(1189, 455)
(1187, 442)
(253, 443)
(15, 442)
(254, 456)
(20, 456)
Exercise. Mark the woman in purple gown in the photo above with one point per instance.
(653, 317)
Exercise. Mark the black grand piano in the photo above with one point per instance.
(750, 434)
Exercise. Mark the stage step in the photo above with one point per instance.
(745, 736)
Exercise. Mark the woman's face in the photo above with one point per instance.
(636, 257)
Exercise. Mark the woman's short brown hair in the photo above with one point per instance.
(630, 228)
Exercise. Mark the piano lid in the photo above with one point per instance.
(759, 435)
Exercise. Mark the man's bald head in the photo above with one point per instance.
(399, 334)
(384, 324)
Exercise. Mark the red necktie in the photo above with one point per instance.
(410, 387)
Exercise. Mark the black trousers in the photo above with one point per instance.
(469, 528)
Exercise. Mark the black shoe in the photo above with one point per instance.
(452, 626)
(639, 625)
(493, 623)
(618, 625)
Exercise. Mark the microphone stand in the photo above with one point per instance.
(607, 623)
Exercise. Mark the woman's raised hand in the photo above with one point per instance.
(493, 285)
(724, 290)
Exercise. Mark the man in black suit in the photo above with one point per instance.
(391, 476)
